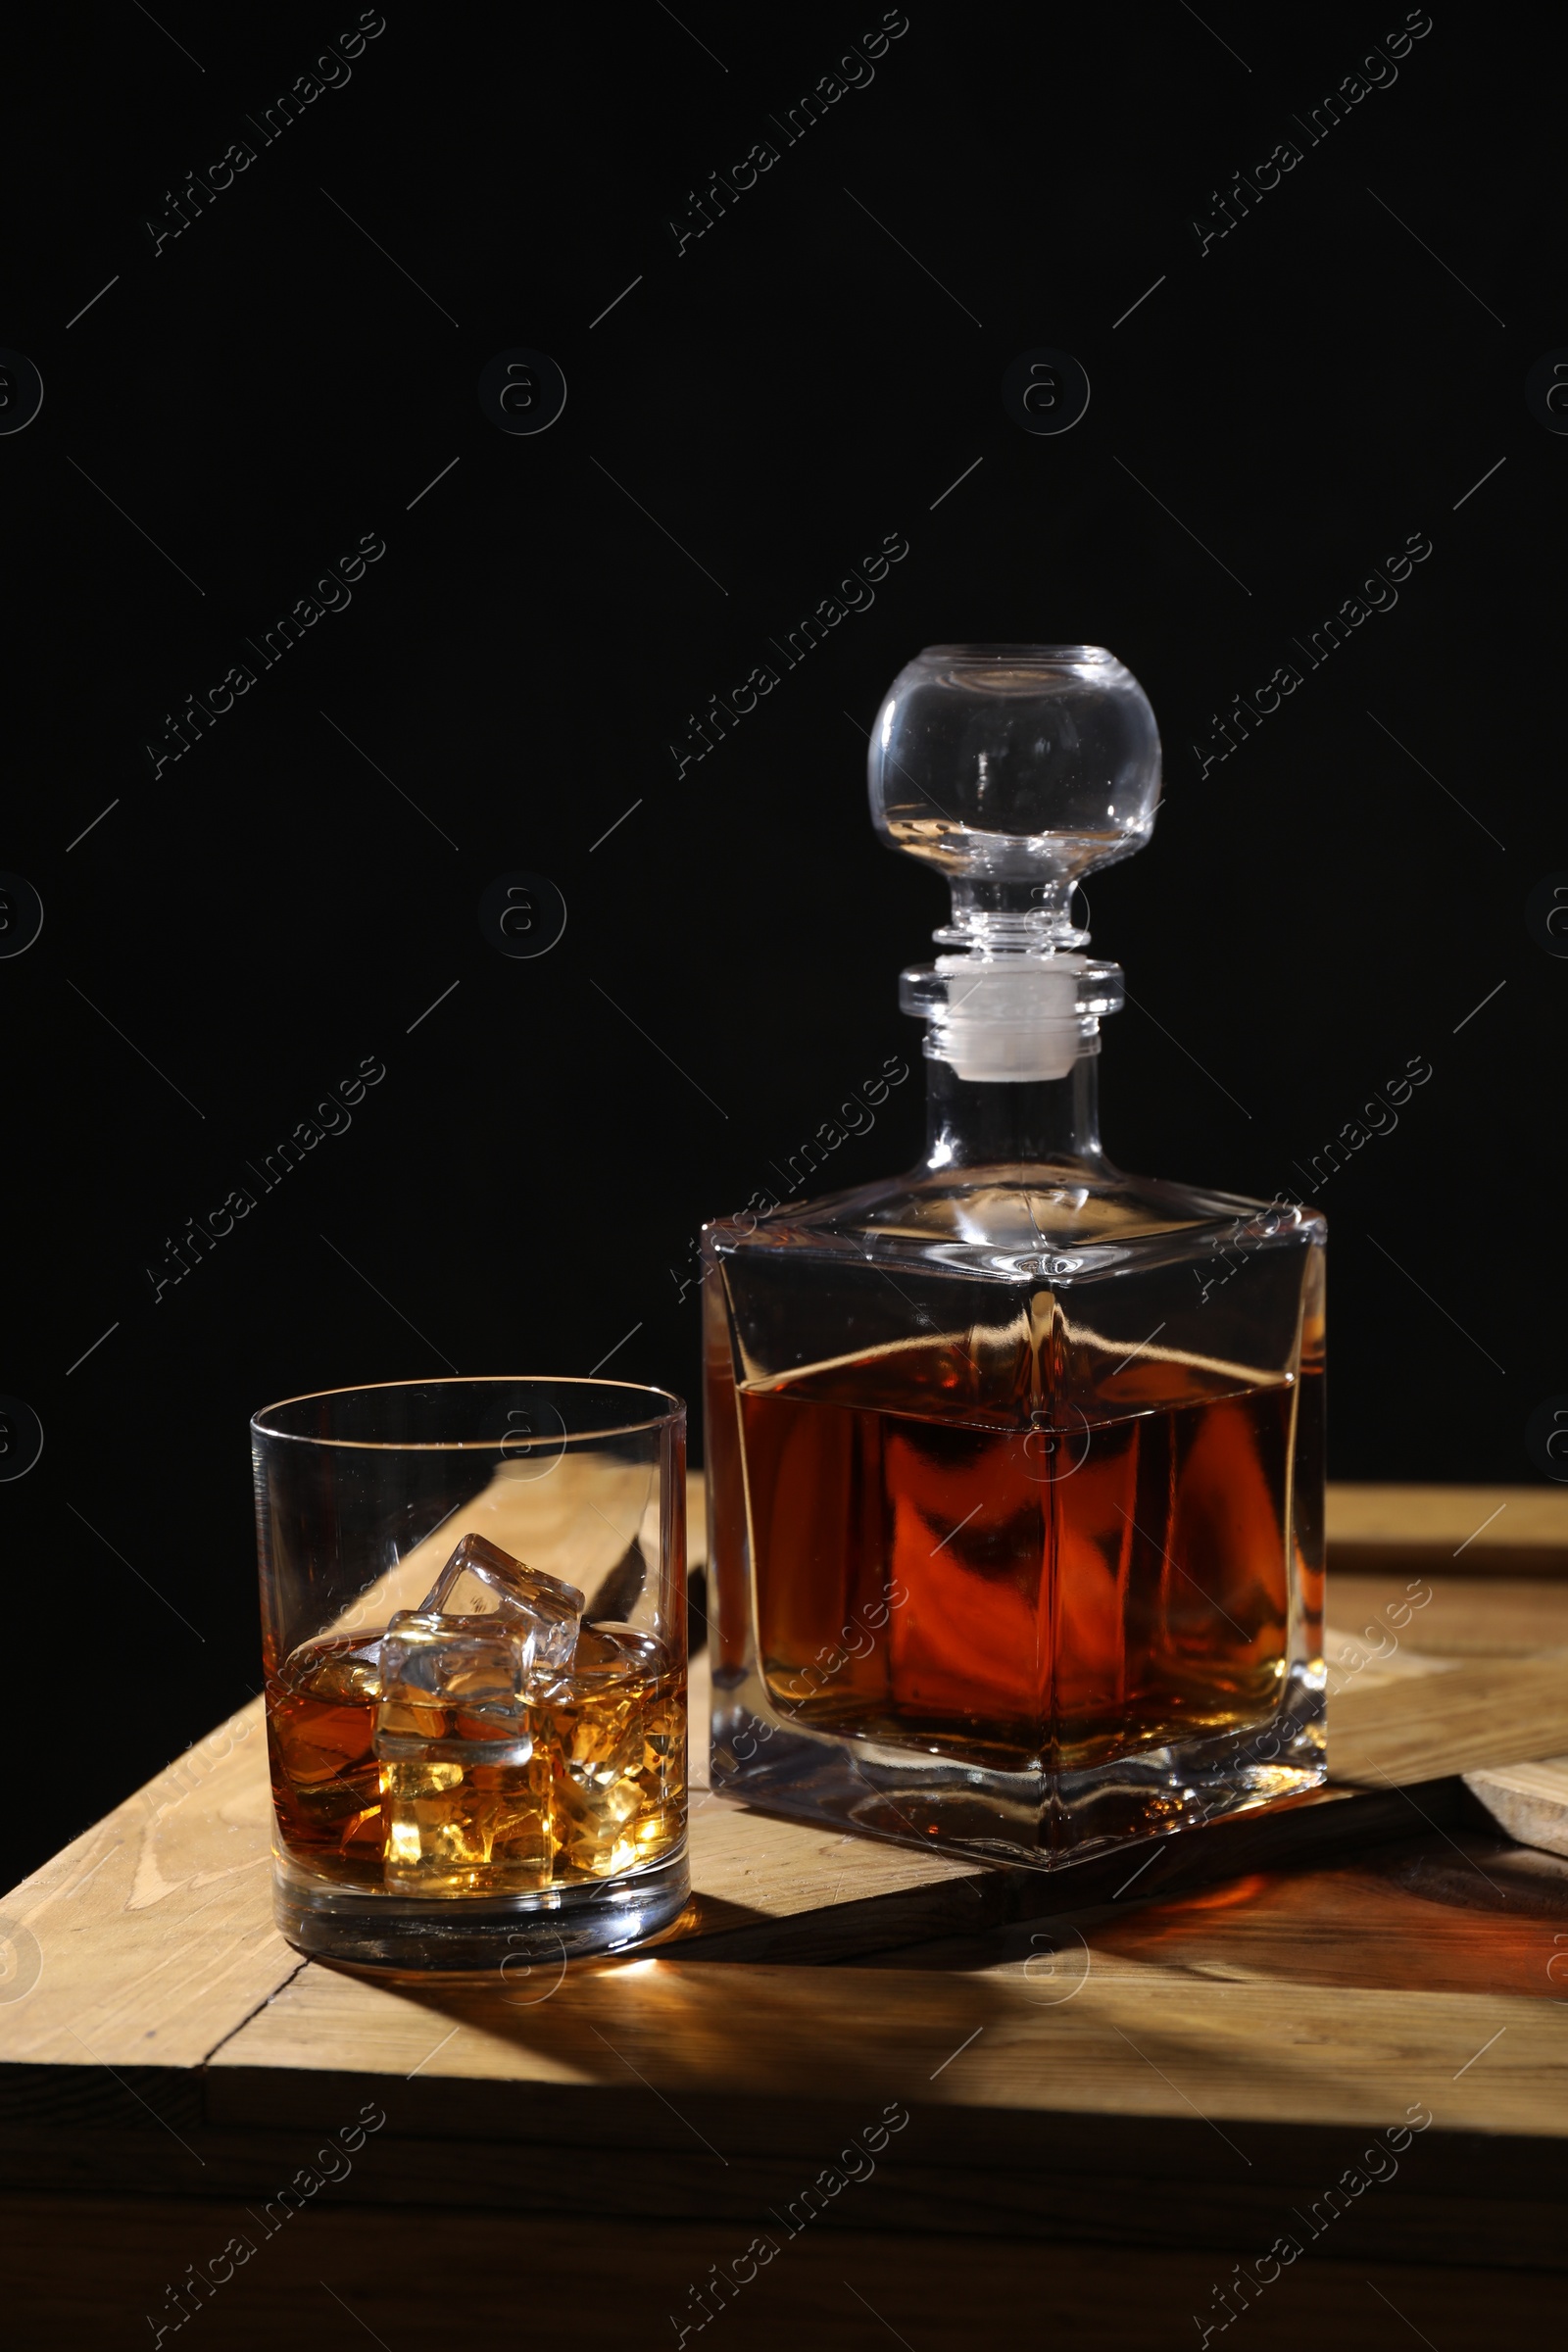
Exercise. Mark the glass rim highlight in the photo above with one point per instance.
(262, 1425)
(1040, 655)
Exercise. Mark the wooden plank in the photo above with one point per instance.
(1420, 1727)
(1449, 1909)
(1531, 1802)
(150, 1937)
(1460, 1616)
(1471, 1531)
(89, 2272)
(153, 1933)
(1175, 2075)
(972, 2173)
(1232, 2022)
(1133, 2038)
(756, 1878)
(829, 1904)
(1354, 1661)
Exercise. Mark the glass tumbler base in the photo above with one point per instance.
(519, 1938)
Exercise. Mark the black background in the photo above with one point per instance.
(522, 1188)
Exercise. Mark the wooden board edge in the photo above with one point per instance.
(1269, 1837)
(1370, 1555)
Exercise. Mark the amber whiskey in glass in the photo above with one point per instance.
(1016, 1462)
(474, 1637)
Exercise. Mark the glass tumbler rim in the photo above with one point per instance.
(631, 1425)
(980, 655)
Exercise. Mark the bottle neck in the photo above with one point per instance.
(987, 1123)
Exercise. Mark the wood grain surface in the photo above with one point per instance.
(151, 1933)
(1121, 2078)
(1470, 1531)
(1477, 1712)
(1472, 1616)
(1531, 1802)
(423, 2279)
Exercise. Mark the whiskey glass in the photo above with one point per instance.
(473, 1621)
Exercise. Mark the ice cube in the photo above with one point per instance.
(612, 1731)
(480, 1579)
(466, 1806)
(453, 1681)
(457, 1830)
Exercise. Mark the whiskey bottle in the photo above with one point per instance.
(1016, 1462)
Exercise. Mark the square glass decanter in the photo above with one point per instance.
(1016, 1462)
